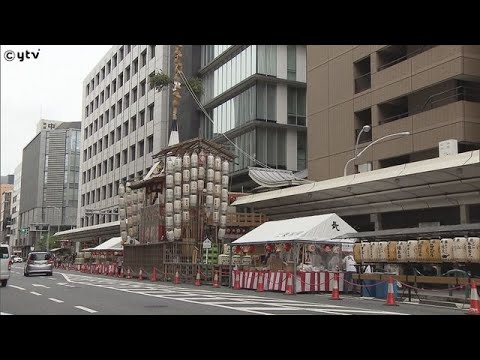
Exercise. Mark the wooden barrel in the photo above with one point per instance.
(473, 249)
(446, 249)
(392, 251)
(357, 252)
(435, 253)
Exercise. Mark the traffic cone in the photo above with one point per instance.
(335, 292)
(197, 279)
(129, 274)
(260, 282)
(140, 274)
(176, 280)
(474, 302)
(289, 288)
(154, 274)
(215, 280)
(236, 285)
(390, 295)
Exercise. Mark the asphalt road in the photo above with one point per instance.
(74, 293)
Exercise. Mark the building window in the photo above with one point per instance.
(90, 130)
(104, 192)
(114, 61)
(109, 66)
(97, 77)
(125, 128)
(150, 144)
(105, 169)
(100, 143)
(151, 109)
(117, 160)
(111, 163)
(393, 110)
(120, 54)
(94, 172)
(112, 137)
(296, 106)
(119, 133)
(114, 86)
(110, 190)
(96, 102)
(102, 96)
(135, 66)
(152, 51)
(113, 111)
(127, 73)
(134, 95)
(99, 170)
(107, 116)
(85, 133)
(363, 118)
(88, 89)
(117, 185)
(301, 150)
(291, 62)
(133, 122)
(128, 48)
(143, 58)
(125, 156)
(88, 198)
(95, 125)
(141, 148)
(120, 80)
(89, 152)
(142, 118)
(270, 147)
(266, 101)
(142, 88)
(127, 101)
(85, 155)
(86, 111)
(362, 75)
(103, 73)
(105, 141)
(83, 199)
(150, 86)
(84, 177)
(101, 121)
(107, 92)
(132, 153)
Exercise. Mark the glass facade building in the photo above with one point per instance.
(256, 97)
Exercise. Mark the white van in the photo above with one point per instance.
(5, 264)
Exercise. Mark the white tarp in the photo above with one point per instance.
(114, 244)
(318, 228)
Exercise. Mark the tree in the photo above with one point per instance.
(41, 245)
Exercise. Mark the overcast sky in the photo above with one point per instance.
(47, 87)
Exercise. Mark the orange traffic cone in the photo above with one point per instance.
(474, 302)
(140, 274)
(335, 292)
(236, 275)
(176, 280)
(154, 274)
(260, 282)
(129, 274)
(289, 288)
(197, 279)
(215, 280)
(390, 295)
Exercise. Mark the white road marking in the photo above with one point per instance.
(4, 313)
(17, 287)
(86, 309)
(51, 278)
(35, 293)
(56, 300)
(67, 285)
(40, 285)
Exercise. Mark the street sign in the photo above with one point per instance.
(207, 244)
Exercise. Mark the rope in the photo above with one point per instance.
(417, 288)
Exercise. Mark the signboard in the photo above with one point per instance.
(207, 244)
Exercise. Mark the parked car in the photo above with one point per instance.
(39, 262)
(5, 264)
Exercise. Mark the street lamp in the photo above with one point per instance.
(372, 143)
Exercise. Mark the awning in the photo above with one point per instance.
(272, 178)
(318, 228)
(87, 233)
(113, 244)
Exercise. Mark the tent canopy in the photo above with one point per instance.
(318, 228)
(114, 244)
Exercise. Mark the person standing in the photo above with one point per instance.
(349, 266)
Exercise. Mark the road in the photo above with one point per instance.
(74, 293)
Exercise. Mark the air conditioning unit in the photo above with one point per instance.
(447, 147)
(365, 167)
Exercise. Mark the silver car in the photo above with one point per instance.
(39, 263)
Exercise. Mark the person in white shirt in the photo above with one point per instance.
(349, 266)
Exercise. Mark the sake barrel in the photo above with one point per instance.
(446, 249)
(424, 250)
(366, 252)
(374, 251)
(435, 253)
(473, 249)
(392, 251)
(460, 249)
(383, 251)
(402, 251)
(357, 252)
(412, 250)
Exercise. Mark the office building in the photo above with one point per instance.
(49, 183)
(16, 205)
(430, 91)
(255, 95)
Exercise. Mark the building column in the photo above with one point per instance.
(464, 214)
(377, 220)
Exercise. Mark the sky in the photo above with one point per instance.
(47, 86)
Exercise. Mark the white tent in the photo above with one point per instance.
(318, 228)
(114, 244)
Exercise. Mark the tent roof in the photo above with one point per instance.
(114, 244)
(318, 228)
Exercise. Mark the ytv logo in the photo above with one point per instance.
(10, 55)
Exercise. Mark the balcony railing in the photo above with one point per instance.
(363, 82)
(405, 57)
(459, 93)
